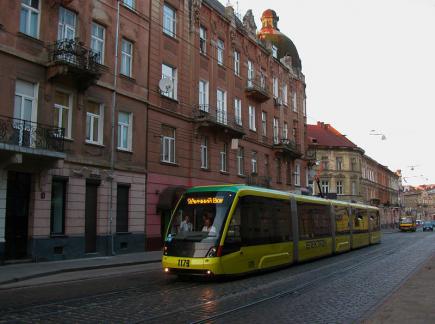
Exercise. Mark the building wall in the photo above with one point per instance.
(23, 57)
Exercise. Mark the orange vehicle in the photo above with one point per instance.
(408, 223)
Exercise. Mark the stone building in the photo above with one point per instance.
(346, 173)
(111, 109)
(233, 110)
(72, 127)
(419, 201)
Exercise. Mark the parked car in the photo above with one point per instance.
(428, 226)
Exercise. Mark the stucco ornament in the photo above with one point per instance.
(249, 23)
(195, 8)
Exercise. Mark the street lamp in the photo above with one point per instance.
(373, 132)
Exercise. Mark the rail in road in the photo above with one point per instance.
(342, 288)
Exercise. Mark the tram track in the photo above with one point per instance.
(298, 289)
(139, 292)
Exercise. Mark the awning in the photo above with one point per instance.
(169, 197)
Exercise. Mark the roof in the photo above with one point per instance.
(325, 135)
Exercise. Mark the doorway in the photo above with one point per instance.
(91, 216)
(17, 214)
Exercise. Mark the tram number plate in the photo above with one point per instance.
(183, 263)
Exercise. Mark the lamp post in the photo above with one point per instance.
(375, 133)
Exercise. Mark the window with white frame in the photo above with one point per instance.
(264, 123)
(63, 111)
(29, 17)
(125, 130)
(25, 100)
(289, 173)
(297, 174)
(252, 125)
(129, 3)
(254, 163)
(94, 123)
(238, 111)
(220, 51)
(274, 51)
(250, 73)
(167, 141)
(224, 158)
(325, 163)
(168, 72)
(284, 94)
(169, 20)
(240, 161)
(203, 95)
(126, 57)
(98, 34)
(275, 130)
(275, 87)
(221, 112)
(236, 63)
(324, 184)
(202, 40)
(204, 152)
(339, 163)
(262, 79)
(24, 111)
(67, 24)
(354, 193)
(339, 187)
(294, 101)
(285, 131)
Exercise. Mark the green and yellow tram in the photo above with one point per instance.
(236, 229)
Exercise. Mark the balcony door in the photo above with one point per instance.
(24, 113)
(67, 24)
(221, 111)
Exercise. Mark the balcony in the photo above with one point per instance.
(259, 181)
(287, 147)
(23, 136)
(257, 89)
(69, 58)
(211, 117)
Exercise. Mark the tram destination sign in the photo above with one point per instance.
(204, 201)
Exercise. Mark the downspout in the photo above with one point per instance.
(112, 140)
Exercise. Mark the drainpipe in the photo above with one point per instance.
(112, 140)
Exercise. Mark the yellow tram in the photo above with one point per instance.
(236, 229)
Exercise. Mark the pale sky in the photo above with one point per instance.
(368, 65)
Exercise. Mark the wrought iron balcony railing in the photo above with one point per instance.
(25, 133)
(257, 89)
(81, 62)
(287, 146)
(219, 119)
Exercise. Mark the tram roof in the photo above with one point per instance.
(242, 187)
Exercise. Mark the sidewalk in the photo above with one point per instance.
(413, 302)
(23, 271)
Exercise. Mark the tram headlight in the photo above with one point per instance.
(212, 252)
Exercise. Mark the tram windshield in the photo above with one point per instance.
(407, 220)
(200, 216)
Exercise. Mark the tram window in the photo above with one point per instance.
(341, 220)
(360, 223)
(374, 221)
(233, 234)
(314, 221)
(264, 220)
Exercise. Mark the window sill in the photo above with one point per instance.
(132, 9)
(253, 130)
(58, 235)
(204, 55)
(68, 139)
(122, 150)
(205, 169)
(126, 77)
(241, 176)
(169, 98)
(222, 66)
(224, 172)
(94, 144)
(123, 233)
(173, 164)
(174, 38)
(31, 38)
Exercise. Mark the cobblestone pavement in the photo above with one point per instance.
(343, 289)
